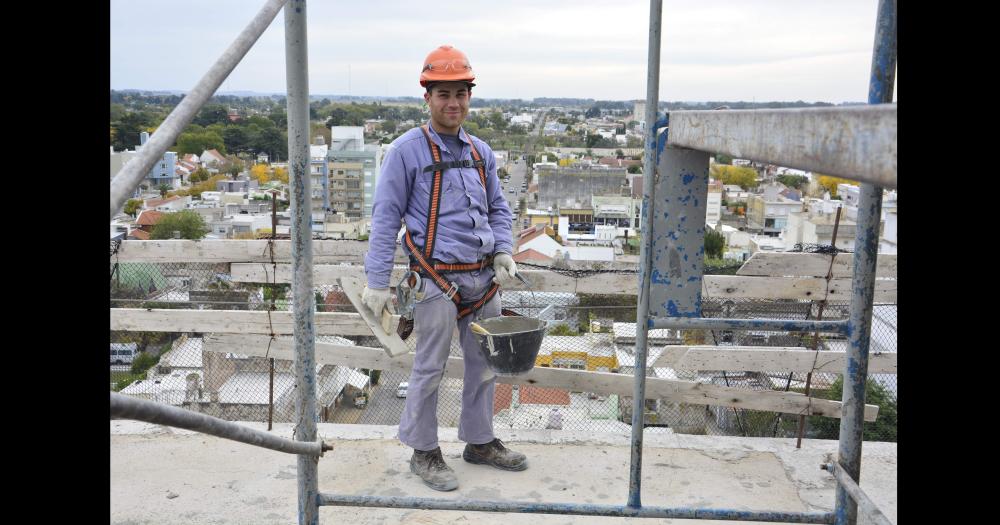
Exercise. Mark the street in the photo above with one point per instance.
(513, 190)
(384, 408)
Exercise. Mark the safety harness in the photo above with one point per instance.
(424, 263)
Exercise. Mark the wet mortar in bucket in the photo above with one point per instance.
(513, 343)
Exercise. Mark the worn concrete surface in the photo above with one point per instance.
(169, 476)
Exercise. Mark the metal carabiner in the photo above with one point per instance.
(406, 295)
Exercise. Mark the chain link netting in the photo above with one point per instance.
(588, 332)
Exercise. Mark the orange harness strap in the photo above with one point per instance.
(422, 260)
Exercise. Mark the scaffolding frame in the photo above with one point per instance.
(863, 149)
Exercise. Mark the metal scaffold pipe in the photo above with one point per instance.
(304, 300)
(125, 407)
(648, 167)
(883, 73)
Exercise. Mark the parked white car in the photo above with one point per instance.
(401, 389)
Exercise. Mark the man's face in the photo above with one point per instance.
(449, 103)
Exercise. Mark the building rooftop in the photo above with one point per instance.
(252, 387)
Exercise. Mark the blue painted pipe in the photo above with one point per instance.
(584, 509)
(662, 121)
(880, 86)
(771, 325)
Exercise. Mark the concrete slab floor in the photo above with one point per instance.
(170, 476)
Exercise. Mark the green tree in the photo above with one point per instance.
(143, 362)
(132, 206)
(272, 141)
(128, 127)
(275, 292)
(715, 244)
(212, 114)
(634, 169)
(236, 139)
(562, 329)
(199, 175)
(722, 158)
(188, 223)
(163, 190)
(199, 141)
(793, 181)
(882, 429)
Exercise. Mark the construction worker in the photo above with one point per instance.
(441, 184)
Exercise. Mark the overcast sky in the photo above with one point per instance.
(763, 50)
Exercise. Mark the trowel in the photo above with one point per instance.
(384, 325)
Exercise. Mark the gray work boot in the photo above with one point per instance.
(431, 468)
(496, 455)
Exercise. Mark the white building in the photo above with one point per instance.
(737, 242)
(850, 195)
(812, 227)
(713, 212)
(524, 119)
(763, 243)
(887, 244)
(538, 241)
(767, 212)
(732, 193)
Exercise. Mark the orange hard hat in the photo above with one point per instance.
(446, 64)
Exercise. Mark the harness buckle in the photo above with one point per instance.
(450, 293)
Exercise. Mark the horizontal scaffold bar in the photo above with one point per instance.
(125, 407)
(774, 325)
(577, 509)
(856, 142)
(714, 286)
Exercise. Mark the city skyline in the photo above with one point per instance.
(760, 51)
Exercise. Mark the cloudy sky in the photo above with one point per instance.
(732, 50)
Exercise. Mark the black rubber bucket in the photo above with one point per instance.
(513, 343)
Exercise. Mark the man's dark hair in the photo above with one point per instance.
(431, 86)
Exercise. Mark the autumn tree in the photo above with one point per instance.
(281, 175)
(260, 173)
(829, 183)
(741, 176)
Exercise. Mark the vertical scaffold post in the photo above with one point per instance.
(883, 74)
(304, 300)
(642, 313)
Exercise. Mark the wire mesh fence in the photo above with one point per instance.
(585, 332)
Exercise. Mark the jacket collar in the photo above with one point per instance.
(437, 138)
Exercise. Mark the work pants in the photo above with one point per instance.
(434, 324)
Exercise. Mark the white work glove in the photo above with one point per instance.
(375, 299)
(505, 269)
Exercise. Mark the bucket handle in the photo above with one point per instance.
(526, 283)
